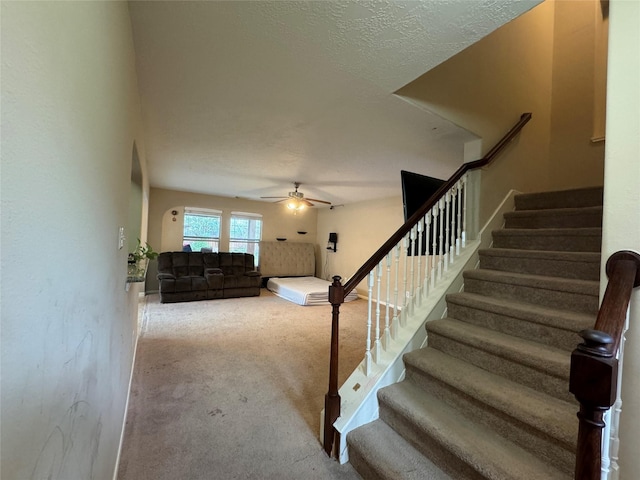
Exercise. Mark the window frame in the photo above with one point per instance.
(202, 212)
(253, 244)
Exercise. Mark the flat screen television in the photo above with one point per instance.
(417, 189)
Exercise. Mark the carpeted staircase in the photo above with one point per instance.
(488, 398)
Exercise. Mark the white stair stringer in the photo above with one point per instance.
(359, 402)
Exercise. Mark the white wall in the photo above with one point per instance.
(362, 228)
(70, 116)
(622, 201)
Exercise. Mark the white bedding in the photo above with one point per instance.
(304, 290)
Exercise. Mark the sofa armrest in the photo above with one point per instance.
(166, 276)
(252, 273)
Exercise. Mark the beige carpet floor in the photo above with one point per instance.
(233, 388)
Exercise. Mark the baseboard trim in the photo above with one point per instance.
(126, 404)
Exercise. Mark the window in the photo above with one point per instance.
(245, 233)
(201, 229)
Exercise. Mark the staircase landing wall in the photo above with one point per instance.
(621, 220)
(523, 66)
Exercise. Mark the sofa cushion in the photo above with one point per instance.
(183, 284)
(211, 260)
(165, 264)
(196, 267)
(199, 283)
(240, 281)
(179, 264)
(236, 263)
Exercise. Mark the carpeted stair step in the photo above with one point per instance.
(561, 293)
(532, 364)
(581, 197)
(457, 443)
(488, 398)
(579, 265)
(555, 239)
(555, 218)
(545, 426)
(377, 452)
(550, 326)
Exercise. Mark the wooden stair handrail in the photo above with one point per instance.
(337, 291)
(594, 364)
(421, 212)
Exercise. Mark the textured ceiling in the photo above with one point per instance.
(244, 98)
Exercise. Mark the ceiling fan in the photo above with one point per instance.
(296, 201)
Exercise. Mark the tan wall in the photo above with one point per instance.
(362, 228)
(487, 86)
(166, 235)
(575, 160)
(70, 116)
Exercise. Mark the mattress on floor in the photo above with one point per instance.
(304, 290)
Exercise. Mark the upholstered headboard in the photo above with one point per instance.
(287, 259)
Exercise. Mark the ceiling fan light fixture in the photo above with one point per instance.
(296, 200)
(295, 204)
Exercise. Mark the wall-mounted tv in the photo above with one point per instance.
(416, 190)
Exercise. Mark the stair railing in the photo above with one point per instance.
(436, 231)
(594, 363)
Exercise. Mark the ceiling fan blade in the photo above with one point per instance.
(275, 197)
(319, 201)
(306, 202)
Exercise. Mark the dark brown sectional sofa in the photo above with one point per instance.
(187, 276)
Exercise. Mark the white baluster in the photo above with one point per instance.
(611, 432)
(405, 309)
(377, 346)
(452, 235)
(464, 211)
(396, 322)
(441, 246)
(447, 223)
(367, 355)
(434, 212)
(387, 321)
(412, 272)
(427, 227)
(417, 294)
(459, 213)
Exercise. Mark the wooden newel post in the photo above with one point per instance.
(332, 398)
(594, 366)
(593, 381)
